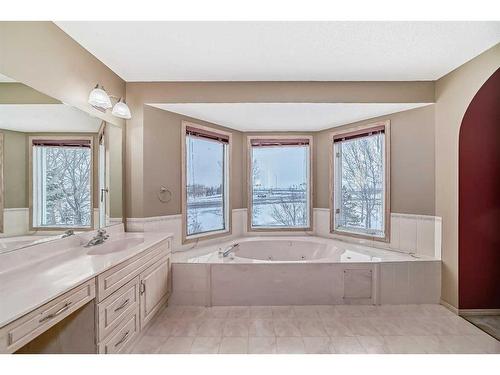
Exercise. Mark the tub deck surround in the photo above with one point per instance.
(418, 234)
(35, 275)
(302, 271)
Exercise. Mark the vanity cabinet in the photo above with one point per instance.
(129, 295)
(117, 303)
(154, 289)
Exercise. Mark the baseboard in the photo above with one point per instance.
(468, 312)
(449, 306)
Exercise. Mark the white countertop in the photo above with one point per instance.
(33, 280)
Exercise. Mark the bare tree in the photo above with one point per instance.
(362, 181)
(291, 211)
(68, 186)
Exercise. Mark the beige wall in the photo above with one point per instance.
(15, 169)
(412, 161)
(162, 160)
(42, 56)
(141, 93)
(18, 93)
(454, 92)
(412, 172)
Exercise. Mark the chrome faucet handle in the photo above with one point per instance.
(68, 233)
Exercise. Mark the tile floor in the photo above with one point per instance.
(488, 323)
(312, 329)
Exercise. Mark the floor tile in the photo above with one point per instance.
(286, 328)
(290, 345)
(403, 345)
(311, 327)
(317, 345)
(346, 345)
(236, 327)
(206, 345)
(176, 345)
(361, 326)
(148, 344)
(262, 345)
(234, 345)
(239, 312)
(261, 312)
(219, 312)
(337, 328)
(184, 328)
(309, 312)
(373, 344)
(283, 312)
(261, 327)
(161, 327)
(211, 328)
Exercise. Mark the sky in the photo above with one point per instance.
(285, 166)
(281, 166)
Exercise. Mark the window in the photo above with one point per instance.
(280, 183)
(360, 181)
(205, 181)
(61, 183)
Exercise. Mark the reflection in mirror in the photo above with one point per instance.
(49, 168)
(110, 175)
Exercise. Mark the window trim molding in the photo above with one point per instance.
(250, 228)
(212, 234)
(31, 180)
(349, 129)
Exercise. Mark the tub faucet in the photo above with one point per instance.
(99, 238)
(228, 251)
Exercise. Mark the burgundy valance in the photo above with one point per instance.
(359, 133)
(262, 142)
(62, 142)
(207, 134)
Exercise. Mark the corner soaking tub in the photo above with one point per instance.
(302, 270)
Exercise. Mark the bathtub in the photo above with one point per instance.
(301, 270)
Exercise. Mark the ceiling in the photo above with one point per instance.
(283, 51)
(285, 116)
(30, 118)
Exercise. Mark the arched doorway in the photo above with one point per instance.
(479, 200)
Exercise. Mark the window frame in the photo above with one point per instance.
(251, 228)
(227, 184)
(362, 129)
(31, 180)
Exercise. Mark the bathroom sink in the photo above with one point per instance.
(114, 246)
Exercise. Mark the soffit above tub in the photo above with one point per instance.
(249, 117)
(33, 118)
(283, 51)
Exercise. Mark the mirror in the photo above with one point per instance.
(110, 175)
(61, 169)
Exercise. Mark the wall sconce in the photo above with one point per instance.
(100, 100)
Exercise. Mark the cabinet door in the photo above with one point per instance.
(153, 289)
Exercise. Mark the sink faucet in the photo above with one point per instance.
(100, 237)
(68, 233)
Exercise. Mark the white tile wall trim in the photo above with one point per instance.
(16, 221)
(416, 234)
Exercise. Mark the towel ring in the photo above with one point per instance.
(164, 195)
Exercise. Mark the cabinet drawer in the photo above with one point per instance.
(116, 307)
(111, 280)
(25, 329)
(121, 338)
